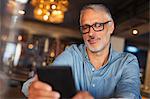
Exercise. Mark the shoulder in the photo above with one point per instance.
(124, 56)
(75, 50)
(75, 47)
(128, 57)
(70, 53)
(124, 60)
(125, 63)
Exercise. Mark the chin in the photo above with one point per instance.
(94, 49)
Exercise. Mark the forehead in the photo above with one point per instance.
(90, 16)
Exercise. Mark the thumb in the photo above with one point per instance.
(35, 78)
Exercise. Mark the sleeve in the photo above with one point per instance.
(26, 86)
(65, 58)
(129, 84)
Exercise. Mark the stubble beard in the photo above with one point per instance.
(97, 49)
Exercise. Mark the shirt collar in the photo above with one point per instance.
(85, 53)
(86, 58)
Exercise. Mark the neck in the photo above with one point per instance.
(99, 58)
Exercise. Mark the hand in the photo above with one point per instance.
(41, 90)
(83, 95)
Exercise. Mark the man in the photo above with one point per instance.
(99, 71)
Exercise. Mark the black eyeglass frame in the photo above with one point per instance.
(89, 26)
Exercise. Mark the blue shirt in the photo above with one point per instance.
(119, 77)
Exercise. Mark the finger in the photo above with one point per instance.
(41, 86)
(77, 97)
(83, 95)
(50, 94)
(42, 98)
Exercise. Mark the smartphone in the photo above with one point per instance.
(60, 78)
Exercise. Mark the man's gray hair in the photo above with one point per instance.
(96, 7)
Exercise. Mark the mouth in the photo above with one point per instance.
(93, 41)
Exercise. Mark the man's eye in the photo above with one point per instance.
(97, 25)
(85, 27)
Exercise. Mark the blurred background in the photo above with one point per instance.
(34, 32)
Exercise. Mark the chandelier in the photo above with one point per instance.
(50, 10)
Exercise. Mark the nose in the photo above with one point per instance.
(91, 31)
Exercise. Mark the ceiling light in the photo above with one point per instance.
(45, 17)
(30, 46)
(53, 7)
(19, 38)
(39, 11)
(51, 0)
(52, 53)
(135, 31)
(48, 13)
(40, 5)
(50, 10)
(48, 7)
(21, 12)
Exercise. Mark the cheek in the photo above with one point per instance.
(107, 38)
(104, 37)
(85, 37)
(101, 36)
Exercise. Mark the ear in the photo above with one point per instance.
(111, 27)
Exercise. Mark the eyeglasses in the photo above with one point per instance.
(96, 27)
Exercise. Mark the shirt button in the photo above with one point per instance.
(93, 85)
(93, 69)
(101, 73)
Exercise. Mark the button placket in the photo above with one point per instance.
(93, 82)
(93, 85)
(93, 69)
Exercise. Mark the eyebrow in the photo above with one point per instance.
(95, 22)
(86, 24)
(91, 24)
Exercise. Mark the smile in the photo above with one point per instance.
(92, 41)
